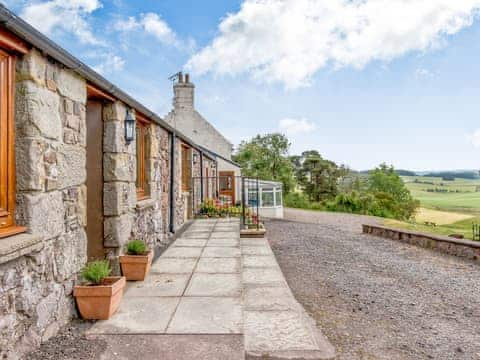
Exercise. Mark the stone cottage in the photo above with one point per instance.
(84, 168)
(190, 122)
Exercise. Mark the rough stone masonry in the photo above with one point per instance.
(38, 269)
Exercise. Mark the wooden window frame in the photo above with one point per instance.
(186, 157)
(8, 225)
(142, 155)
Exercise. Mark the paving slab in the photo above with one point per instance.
(185, 242)
(182, 252)
(139, 315)
(229, 228)
(223, 242)
(263, 276)
(256, 250)
(174, 265)
(220, 252)
(196, 235)
(207, 315)
(225, 235)
(228, 285)
(159, 285)
(284, 335)
(205, 294)
(218, 265)
(259, 261)
(269, 298)
(172, 347)
(253, 242)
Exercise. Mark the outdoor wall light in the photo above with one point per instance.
(129, 127)
(195, 158)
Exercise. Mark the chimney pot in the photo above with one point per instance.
(180, 77)
(187, 78)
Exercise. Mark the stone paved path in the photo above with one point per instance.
(212, 295)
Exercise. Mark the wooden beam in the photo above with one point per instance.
(95, 93)
(11, 42)
(142, 118)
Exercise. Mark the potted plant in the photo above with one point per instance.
(99, 296)
(136, 263)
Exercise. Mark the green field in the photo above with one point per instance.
(442, 204)
(461, 195)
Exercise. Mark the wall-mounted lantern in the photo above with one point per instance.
(195, 158)
(129, 127)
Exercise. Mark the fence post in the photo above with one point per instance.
(243, 200)
(258, 205)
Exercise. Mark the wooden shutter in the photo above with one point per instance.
(186, 168)
(7, 147)
(142, 157)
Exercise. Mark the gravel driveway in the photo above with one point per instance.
(376, 298)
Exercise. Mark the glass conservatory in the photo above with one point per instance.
(269, 195)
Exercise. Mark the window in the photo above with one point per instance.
(7, 150)
(278, 197)
(186, 167)
(142, 138)
(267, 198)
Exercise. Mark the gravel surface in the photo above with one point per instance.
(376, 298)
(69, 344)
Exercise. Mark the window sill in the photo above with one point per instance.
(19, 245)
(145, 203)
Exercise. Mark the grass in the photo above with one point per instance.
(461, 196)
(463, 227)
(453, 211)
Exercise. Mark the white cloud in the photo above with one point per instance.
(127, 25)
(296, 126)
(475, 138)
(290, 40)
(109, 63)
(423, 73)
(152, 24)
(66, 15)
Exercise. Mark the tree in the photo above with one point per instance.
(391, 194)
(318, 177)
(266, 157)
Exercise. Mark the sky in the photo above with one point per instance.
(361, 81)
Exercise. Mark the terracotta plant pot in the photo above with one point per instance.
(99, 302)
(136, 267)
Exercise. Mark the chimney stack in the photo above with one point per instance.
(183, 94)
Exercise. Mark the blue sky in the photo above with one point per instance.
(362, 84)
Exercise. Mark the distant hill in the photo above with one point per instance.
(405, 172)
(445, 174)
(398, 171)
(451, 175)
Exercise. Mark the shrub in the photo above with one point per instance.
(95, 272)
(136, 247)
(300, 201)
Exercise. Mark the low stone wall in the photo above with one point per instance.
(457, 247)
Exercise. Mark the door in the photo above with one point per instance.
(95, 249)
(227, 184)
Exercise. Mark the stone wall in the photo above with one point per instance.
(119, 189)
(457, 247)
(36, 284)
(38, 270)
(151, 215)
(125, 217)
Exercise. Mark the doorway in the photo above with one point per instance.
(95, 249)
(227, 184)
